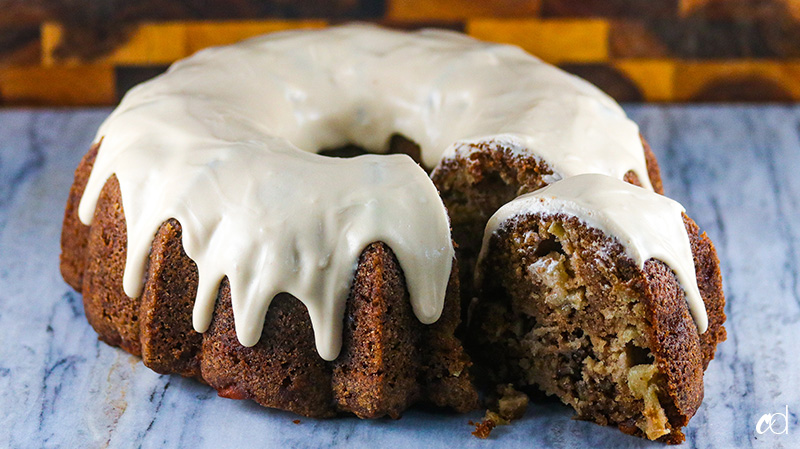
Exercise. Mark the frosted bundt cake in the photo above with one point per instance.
(589, 291)
(211, 232)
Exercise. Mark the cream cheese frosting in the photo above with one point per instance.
(648, 225)
(225, 143)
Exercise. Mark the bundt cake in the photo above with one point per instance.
(605, 295)
(211, 231)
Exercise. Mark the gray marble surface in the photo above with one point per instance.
(736, 169)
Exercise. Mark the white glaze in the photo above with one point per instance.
(648, 225)
(224, 142)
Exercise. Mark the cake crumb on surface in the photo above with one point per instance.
(484, 428)
(509, 405)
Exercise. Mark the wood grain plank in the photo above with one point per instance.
(609, 79)
(744, 80)
(738, 9)
(166, 42)
(57, 86)
(149, 43)
(426, 10)
(654, 77)
(554, 41)
(610, 8)
(630, 38)
(200, 35)
(152, 44)
(51, 35)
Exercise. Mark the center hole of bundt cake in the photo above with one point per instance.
(398, 144)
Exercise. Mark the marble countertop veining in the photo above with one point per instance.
(735, 169)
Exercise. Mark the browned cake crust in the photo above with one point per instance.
(474, 186)
(389, 360)
(74, 235)
(565, 309)
(169, 342)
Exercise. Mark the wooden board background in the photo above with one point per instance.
(89, 52)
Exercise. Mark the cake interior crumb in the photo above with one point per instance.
(564, 317)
